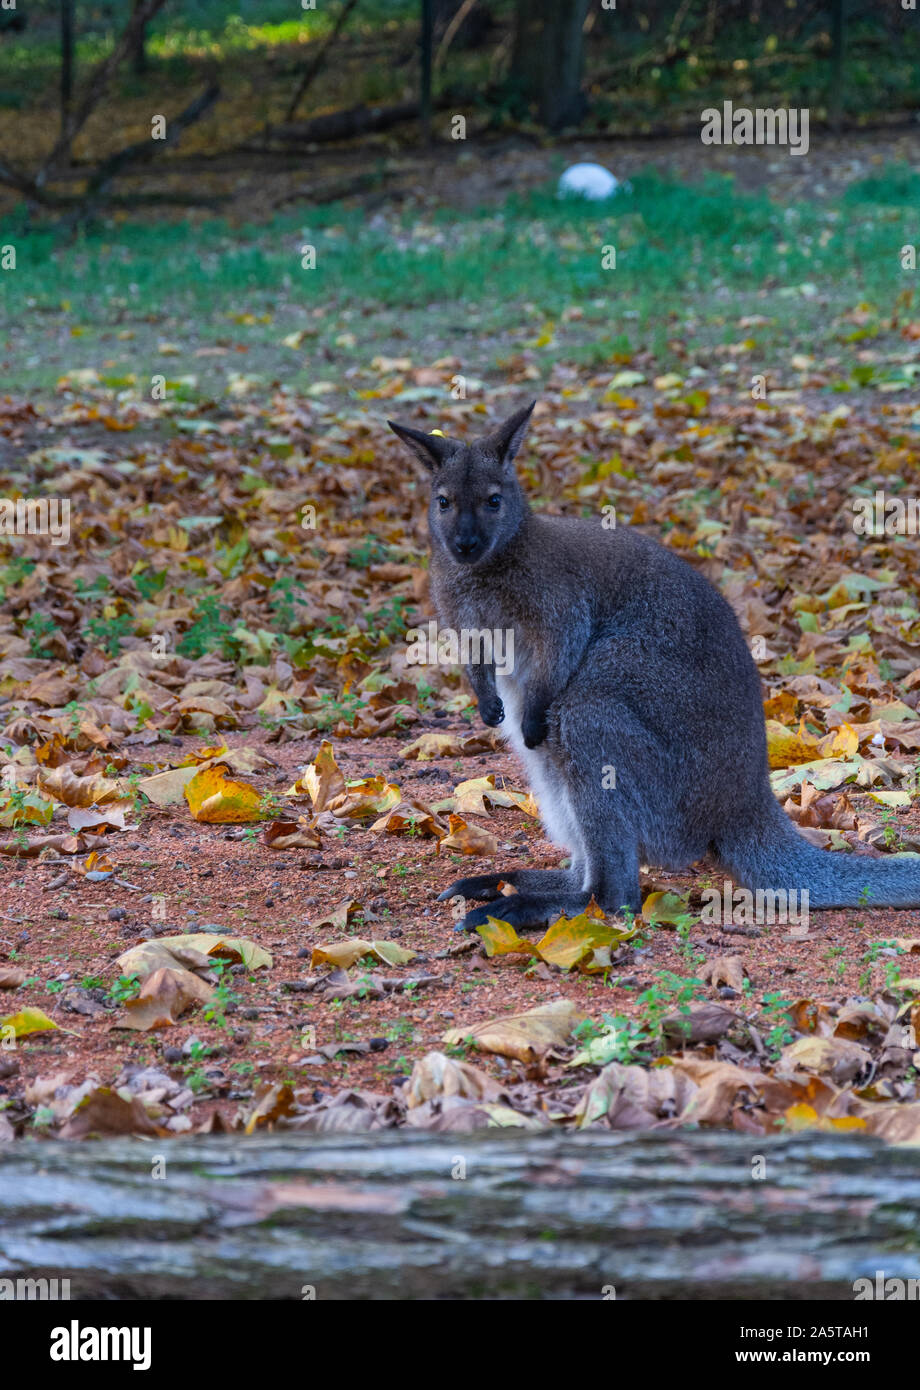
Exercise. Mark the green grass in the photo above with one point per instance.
(192, 28)
(691, 261)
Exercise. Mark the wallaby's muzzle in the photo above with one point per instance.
(467, 548)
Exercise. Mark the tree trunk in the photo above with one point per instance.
(66, 63)
(425, 57)
(838, 53)
(396, 1214)
(139, 54)
(546, 62)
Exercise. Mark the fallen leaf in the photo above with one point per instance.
(164, 996)
(723, 970)
(436, 1074)
(468, 839)
(218, 800)
(346, 953)
(322, 781)
(526, 1036)
(26, 1022)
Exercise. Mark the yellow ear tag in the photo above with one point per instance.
(440, 432)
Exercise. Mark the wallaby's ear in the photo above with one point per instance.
(508, 437)
(430, 449)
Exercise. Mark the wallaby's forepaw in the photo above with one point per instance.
(491, 711)
(483, 887)
(533, 728)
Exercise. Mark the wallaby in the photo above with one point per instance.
(634, 701)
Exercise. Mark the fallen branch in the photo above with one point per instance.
(142, 151)
(343, 125)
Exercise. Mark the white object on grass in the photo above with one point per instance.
(587, 181)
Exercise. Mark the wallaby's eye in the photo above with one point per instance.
(443, 503)
(495, 501)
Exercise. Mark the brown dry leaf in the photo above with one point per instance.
(705, 1021)
(96, 867)
(858, 1019)
(722, 1087)
(411, 817)
(291, 834)
(322, 780)
(437, 1075)
(339, 916)
(435, 745)
(164, 997)
(245, 760)
(271, 1103)
(527, 1036)
(723, 970)
(66, 787)
(217, 800)
(104, 1112)
(110, 816)
(468, 839)
(836, 1058)
(63, 844)
(11, 977)
(811, 1016)
(632, 1097)
(896, 1124)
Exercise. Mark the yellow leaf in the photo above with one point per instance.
(842, 742)
(785, 748)
(369, 797)
(27, 809)
(803, 1116)
(215, 799)
(500, 939)
(346, 953)
(25, 1022)
(570, 939)
(664, 907)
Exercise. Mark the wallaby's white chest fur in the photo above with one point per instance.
(556, 810)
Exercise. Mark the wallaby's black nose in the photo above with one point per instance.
(467, 548)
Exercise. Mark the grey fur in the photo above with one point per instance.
(625, 657)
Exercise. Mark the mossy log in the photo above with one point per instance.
(400, 1215)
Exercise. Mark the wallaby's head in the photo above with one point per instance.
(477, 505)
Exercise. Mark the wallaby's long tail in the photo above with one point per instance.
(771, 855)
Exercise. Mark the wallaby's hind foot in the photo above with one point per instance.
(484, 887)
